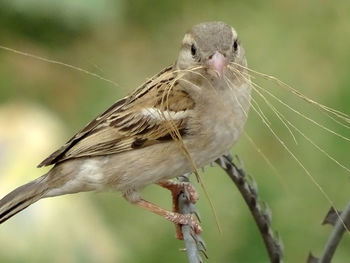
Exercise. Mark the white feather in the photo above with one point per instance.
(157, 114)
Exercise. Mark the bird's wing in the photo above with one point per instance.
(145, 117)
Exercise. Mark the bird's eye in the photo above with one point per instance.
(193, 50)
(235, 45)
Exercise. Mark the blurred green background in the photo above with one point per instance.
(304, 43)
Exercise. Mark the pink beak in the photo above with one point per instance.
(217, 62)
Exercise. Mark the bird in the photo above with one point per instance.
(186, 116)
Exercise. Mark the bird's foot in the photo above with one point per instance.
(177, 187)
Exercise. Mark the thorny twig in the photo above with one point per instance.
(260, 211)
(335, 236)
(193, 242)
(262, 216)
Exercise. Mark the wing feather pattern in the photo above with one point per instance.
(138, 120)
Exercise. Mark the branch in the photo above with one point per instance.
(335, 236)
(193, 242)
(259, 211)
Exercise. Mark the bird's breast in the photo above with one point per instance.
(222, 119)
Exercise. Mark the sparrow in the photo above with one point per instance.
(184, 117)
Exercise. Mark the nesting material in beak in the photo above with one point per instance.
(217, 62)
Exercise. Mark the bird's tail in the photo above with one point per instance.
(22, 197)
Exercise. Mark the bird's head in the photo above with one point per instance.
(211, 46)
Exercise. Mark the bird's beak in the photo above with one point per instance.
(217, 62)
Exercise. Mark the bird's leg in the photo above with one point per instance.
(176, 188)
(176, 218)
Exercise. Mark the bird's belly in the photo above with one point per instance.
(217, 142)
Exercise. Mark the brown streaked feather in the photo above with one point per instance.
(124, 126)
